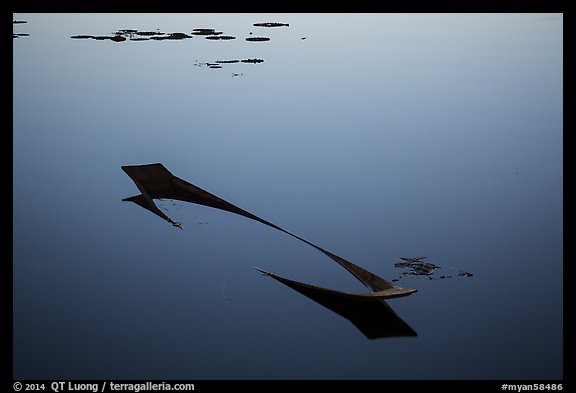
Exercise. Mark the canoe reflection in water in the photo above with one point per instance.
(367, 311)
(375, 319)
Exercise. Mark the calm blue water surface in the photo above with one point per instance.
(377, 136)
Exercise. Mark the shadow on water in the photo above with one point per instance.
(367, 311)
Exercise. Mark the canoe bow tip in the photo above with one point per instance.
(407, 291)
(263, 272)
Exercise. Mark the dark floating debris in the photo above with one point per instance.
(220, 37)
(219, 63)
(253, 61)
(178, 36)
(117, 38)
(256, 39)
(413, 259)
(135, 35)
(206, 32)
(419, 268)
(171, 36)
(147, 33)
(130, 34)
(18, 35)
(271, 24)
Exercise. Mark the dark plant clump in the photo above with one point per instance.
(257, 39)
(270, 24)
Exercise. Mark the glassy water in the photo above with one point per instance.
(375, 136)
